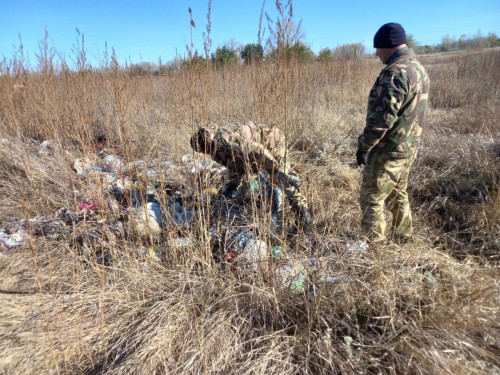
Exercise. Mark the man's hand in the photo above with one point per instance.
(362, 157)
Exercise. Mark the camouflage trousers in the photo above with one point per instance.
(289, 185)
(385, 181)
(292, 192)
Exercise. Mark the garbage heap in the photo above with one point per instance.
(167, 205)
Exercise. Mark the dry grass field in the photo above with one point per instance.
(430, 307)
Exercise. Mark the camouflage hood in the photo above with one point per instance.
(203, 139)
(210, 131)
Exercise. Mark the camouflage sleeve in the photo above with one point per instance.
(270, 163)
(253, 152)
(386, 99)
(260, 153)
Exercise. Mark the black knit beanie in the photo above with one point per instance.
(389, 35)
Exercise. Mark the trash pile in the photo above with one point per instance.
(142, 202)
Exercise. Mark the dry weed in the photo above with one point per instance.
(427, 308)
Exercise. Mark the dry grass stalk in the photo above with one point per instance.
(426, 308)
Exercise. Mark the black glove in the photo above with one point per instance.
(362, 157)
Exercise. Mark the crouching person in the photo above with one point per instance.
(247, 149)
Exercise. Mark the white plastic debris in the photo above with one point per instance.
(202, 166)
(9, 241)
(111, 164)
(83, 166)
(254, 254)
(182, 242)
(358, 246)
(186, 158)
(47, 147)
(147, 220)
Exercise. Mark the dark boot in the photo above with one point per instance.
(401, 241)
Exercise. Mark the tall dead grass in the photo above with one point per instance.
(427, 308)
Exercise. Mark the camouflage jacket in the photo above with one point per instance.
(250, 147)
(396, 107)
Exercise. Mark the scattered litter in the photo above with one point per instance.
(239, 240)
(50, 228)
(16, 234)
(230, 257)
(187, 158)
(145, 198)
(358, 246)
(208, 174)
(85, 166)
(207, 166)
(111, 164)
(261, 190)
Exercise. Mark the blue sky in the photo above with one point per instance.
(145, 30)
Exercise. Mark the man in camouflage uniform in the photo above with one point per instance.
(388, 145)
(245, 149)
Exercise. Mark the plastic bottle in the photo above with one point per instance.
(276, 252)
(291, 276)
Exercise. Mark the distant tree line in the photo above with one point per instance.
(286, 42)
(449, 43)
(233, 53)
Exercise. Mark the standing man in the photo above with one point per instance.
(388, 145)
(245, 149)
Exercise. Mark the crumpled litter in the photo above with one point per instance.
(147, 220)
(17, 233)
(89, 206)
(132, 191)
(11, 239)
